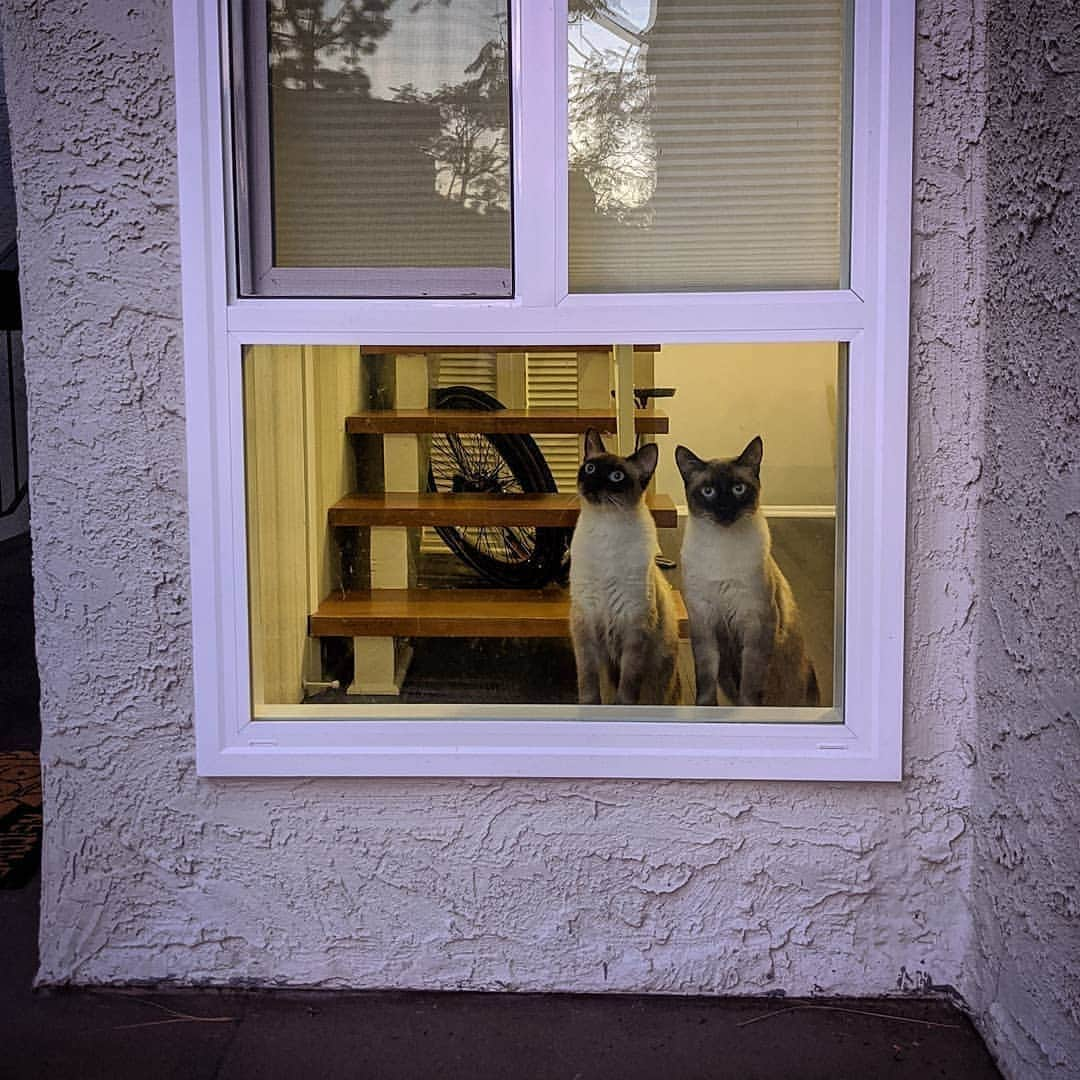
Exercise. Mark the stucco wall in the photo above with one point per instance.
(151, 873)
(1027, 796)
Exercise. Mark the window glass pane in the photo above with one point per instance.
(409, 536)
(389, 133)
(707, 145)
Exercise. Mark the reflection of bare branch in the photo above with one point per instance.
(471, 153)
(611, 140)
(318, 44)
(589, 9)
(470, 149)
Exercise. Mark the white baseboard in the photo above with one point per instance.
(780, 511)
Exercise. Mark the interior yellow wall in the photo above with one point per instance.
(727, 394)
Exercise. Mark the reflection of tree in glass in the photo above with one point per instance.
(471, 151)
(611, 142)
(318, 44)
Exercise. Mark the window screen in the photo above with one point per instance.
(385, 131)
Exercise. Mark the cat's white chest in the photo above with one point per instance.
(724, 568)
(611, 559)
(735, 553)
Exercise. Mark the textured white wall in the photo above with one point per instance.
(153, 874)
(1027, 793)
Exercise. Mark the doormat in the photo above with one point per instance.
(20, 817)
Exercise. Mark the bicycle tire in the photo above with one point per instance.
(511, 557)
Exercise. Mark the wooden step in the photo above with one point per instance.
(547, 509)
(499, 422)
(451, 613)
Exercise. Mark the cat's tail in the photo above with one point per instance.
(813, 691)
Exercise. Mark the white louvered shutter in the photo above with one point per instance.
(472, 369)
(551, 381)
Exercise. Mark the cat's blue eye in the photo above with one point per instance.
(738, 489)
(616, 476)
(590, 468)
(708, 492)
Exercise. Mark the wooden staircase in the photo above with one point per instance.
(503, 422)
(394, 508)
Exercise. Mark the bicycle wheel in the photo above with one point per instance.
(509, 556)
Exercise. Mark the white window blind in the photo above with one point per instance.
(707, 145)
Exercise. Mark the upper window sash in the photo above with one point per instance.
(539, 118)
(335, 166)
(707, 145)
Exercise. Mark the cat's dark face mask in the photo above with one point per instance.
(609, 480)
(725, 489)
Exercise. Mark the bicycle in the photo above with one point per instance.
(508, 556)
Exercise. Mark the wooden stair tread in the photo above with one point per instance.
(451, 613)
(545, 509)
(537, 421)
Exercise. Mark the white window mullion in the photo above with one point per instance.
(539, 208)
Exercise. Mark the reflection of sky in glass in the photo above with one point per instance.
(627, 179)
(599, 36)
(431, 46)
(635, 13)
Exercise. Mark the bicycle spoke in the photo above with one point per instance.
(477, 462)
(525, 541)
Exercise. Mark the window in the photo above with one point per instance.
(629, 214)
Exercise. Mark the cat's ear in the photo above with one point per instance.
(751, 456)
(645, 461)
(687, 461)
(594, 445)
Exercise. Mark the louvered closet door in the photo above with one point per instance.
(551, 380)
(479, 370)
(707, 145)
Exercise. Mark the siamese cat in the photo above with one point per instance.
(744, 624)
(622, 610)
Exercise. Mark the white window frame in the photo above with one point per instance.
(870, 316)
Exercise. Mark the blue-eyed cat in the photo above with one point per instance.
(622, 610)
(744, 624)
